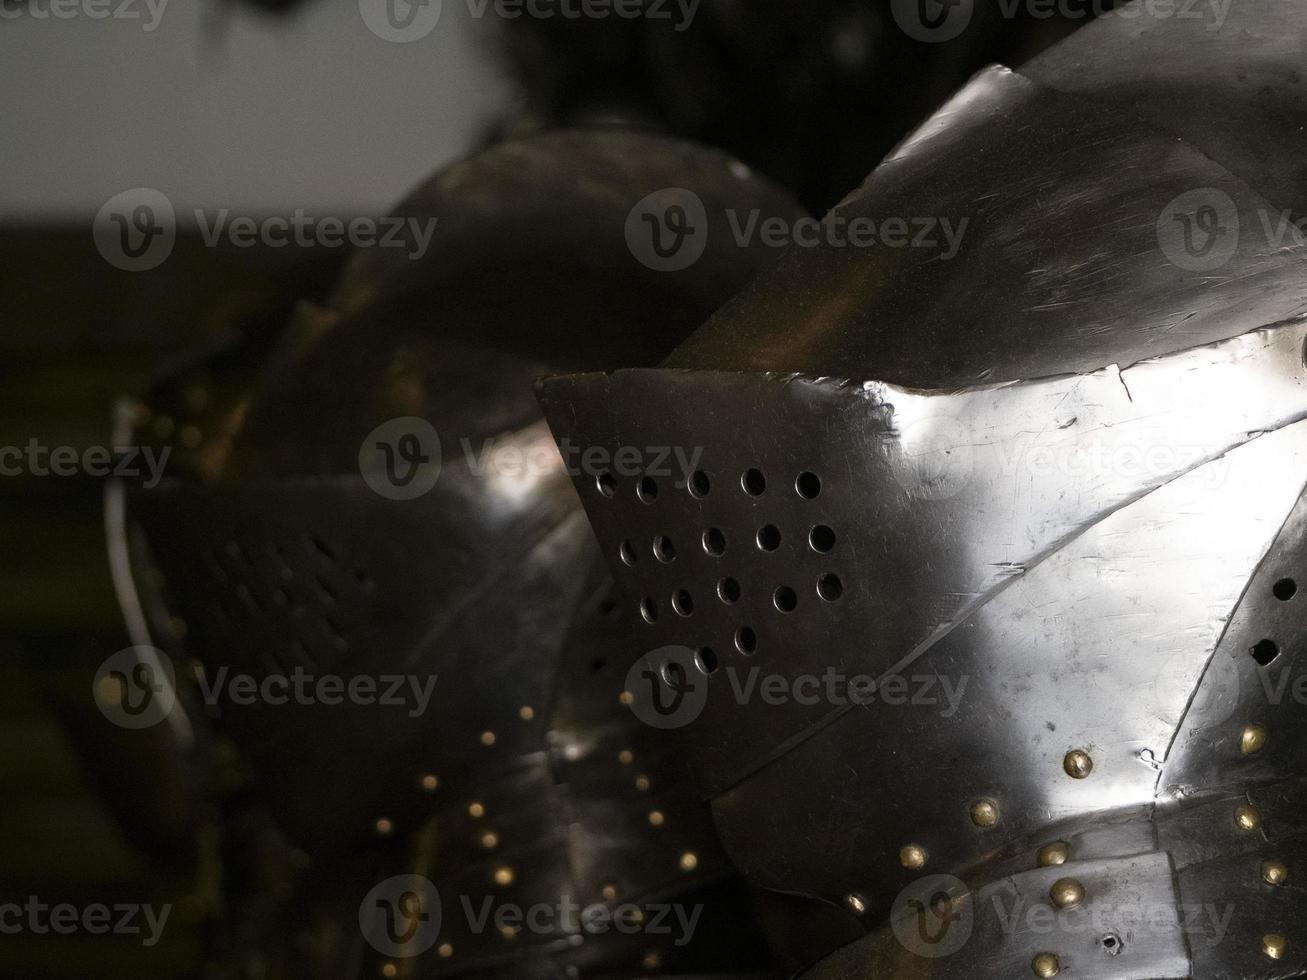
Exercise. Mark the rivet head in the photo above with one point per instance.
(1055, 854)
(504, 877)
(984, 813)
(1274, 872)
(384, 827)
(1274, 945)
(488, 739)
(445, 951)
(389, 970)
(855, 904)
(1046, 965)
(609, 893)
(1067, 893)
(689, 861)
(476, 811)
(1247, 818)
(1078, 764)
(651, 961)
(913, 857)
(429, 783)
(489, 840)
(642, 784)
(1253, 739)
(656, 818)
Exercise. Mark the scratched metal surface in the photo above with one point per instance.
(1088, 609)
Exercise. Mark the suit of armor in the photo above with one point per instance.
(980, 601)
(371, 494)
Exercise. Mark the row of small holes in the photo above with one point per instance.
(829, 587)
(753, 482)
(1265, 651)
(821, 539)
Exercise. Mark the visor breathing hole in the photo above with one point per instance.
(808, 485)
(746, 641)
(647, 490)
(785, 599)
(829, 587)
(714, 542)
(683, 603)
(700, 485)
(1285, 589)
(649, 610)
(769, 538)
(822, 539)
(754, 483)
(728, 590)
(628, 553)
(606, 484)
(706, 660)
(664, 550)
(1265, 652)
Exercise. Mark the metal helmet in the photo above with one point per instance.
(370, 500)
(986, 571)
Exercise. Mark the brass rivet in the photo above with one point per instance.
(689, 861)
(855, 903)
(508, 932)
(1054, 854)
(1274, 945)
(1274, 872)
(383, 827)
(1078, 764)
(430, 783)
(642, 783)
(504, 877)
(1046, 965)
(487, 739)
(656, 818)
(476, 811)
(1067, 893)
(626, 698)
(389, 970)
(489, 840)
(526, 712)
(1253, 739)
(651, 961)
(445, 951)
(625, 757)
(913, 857)
(1247, 818)
(984, 813)
(610, 893)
